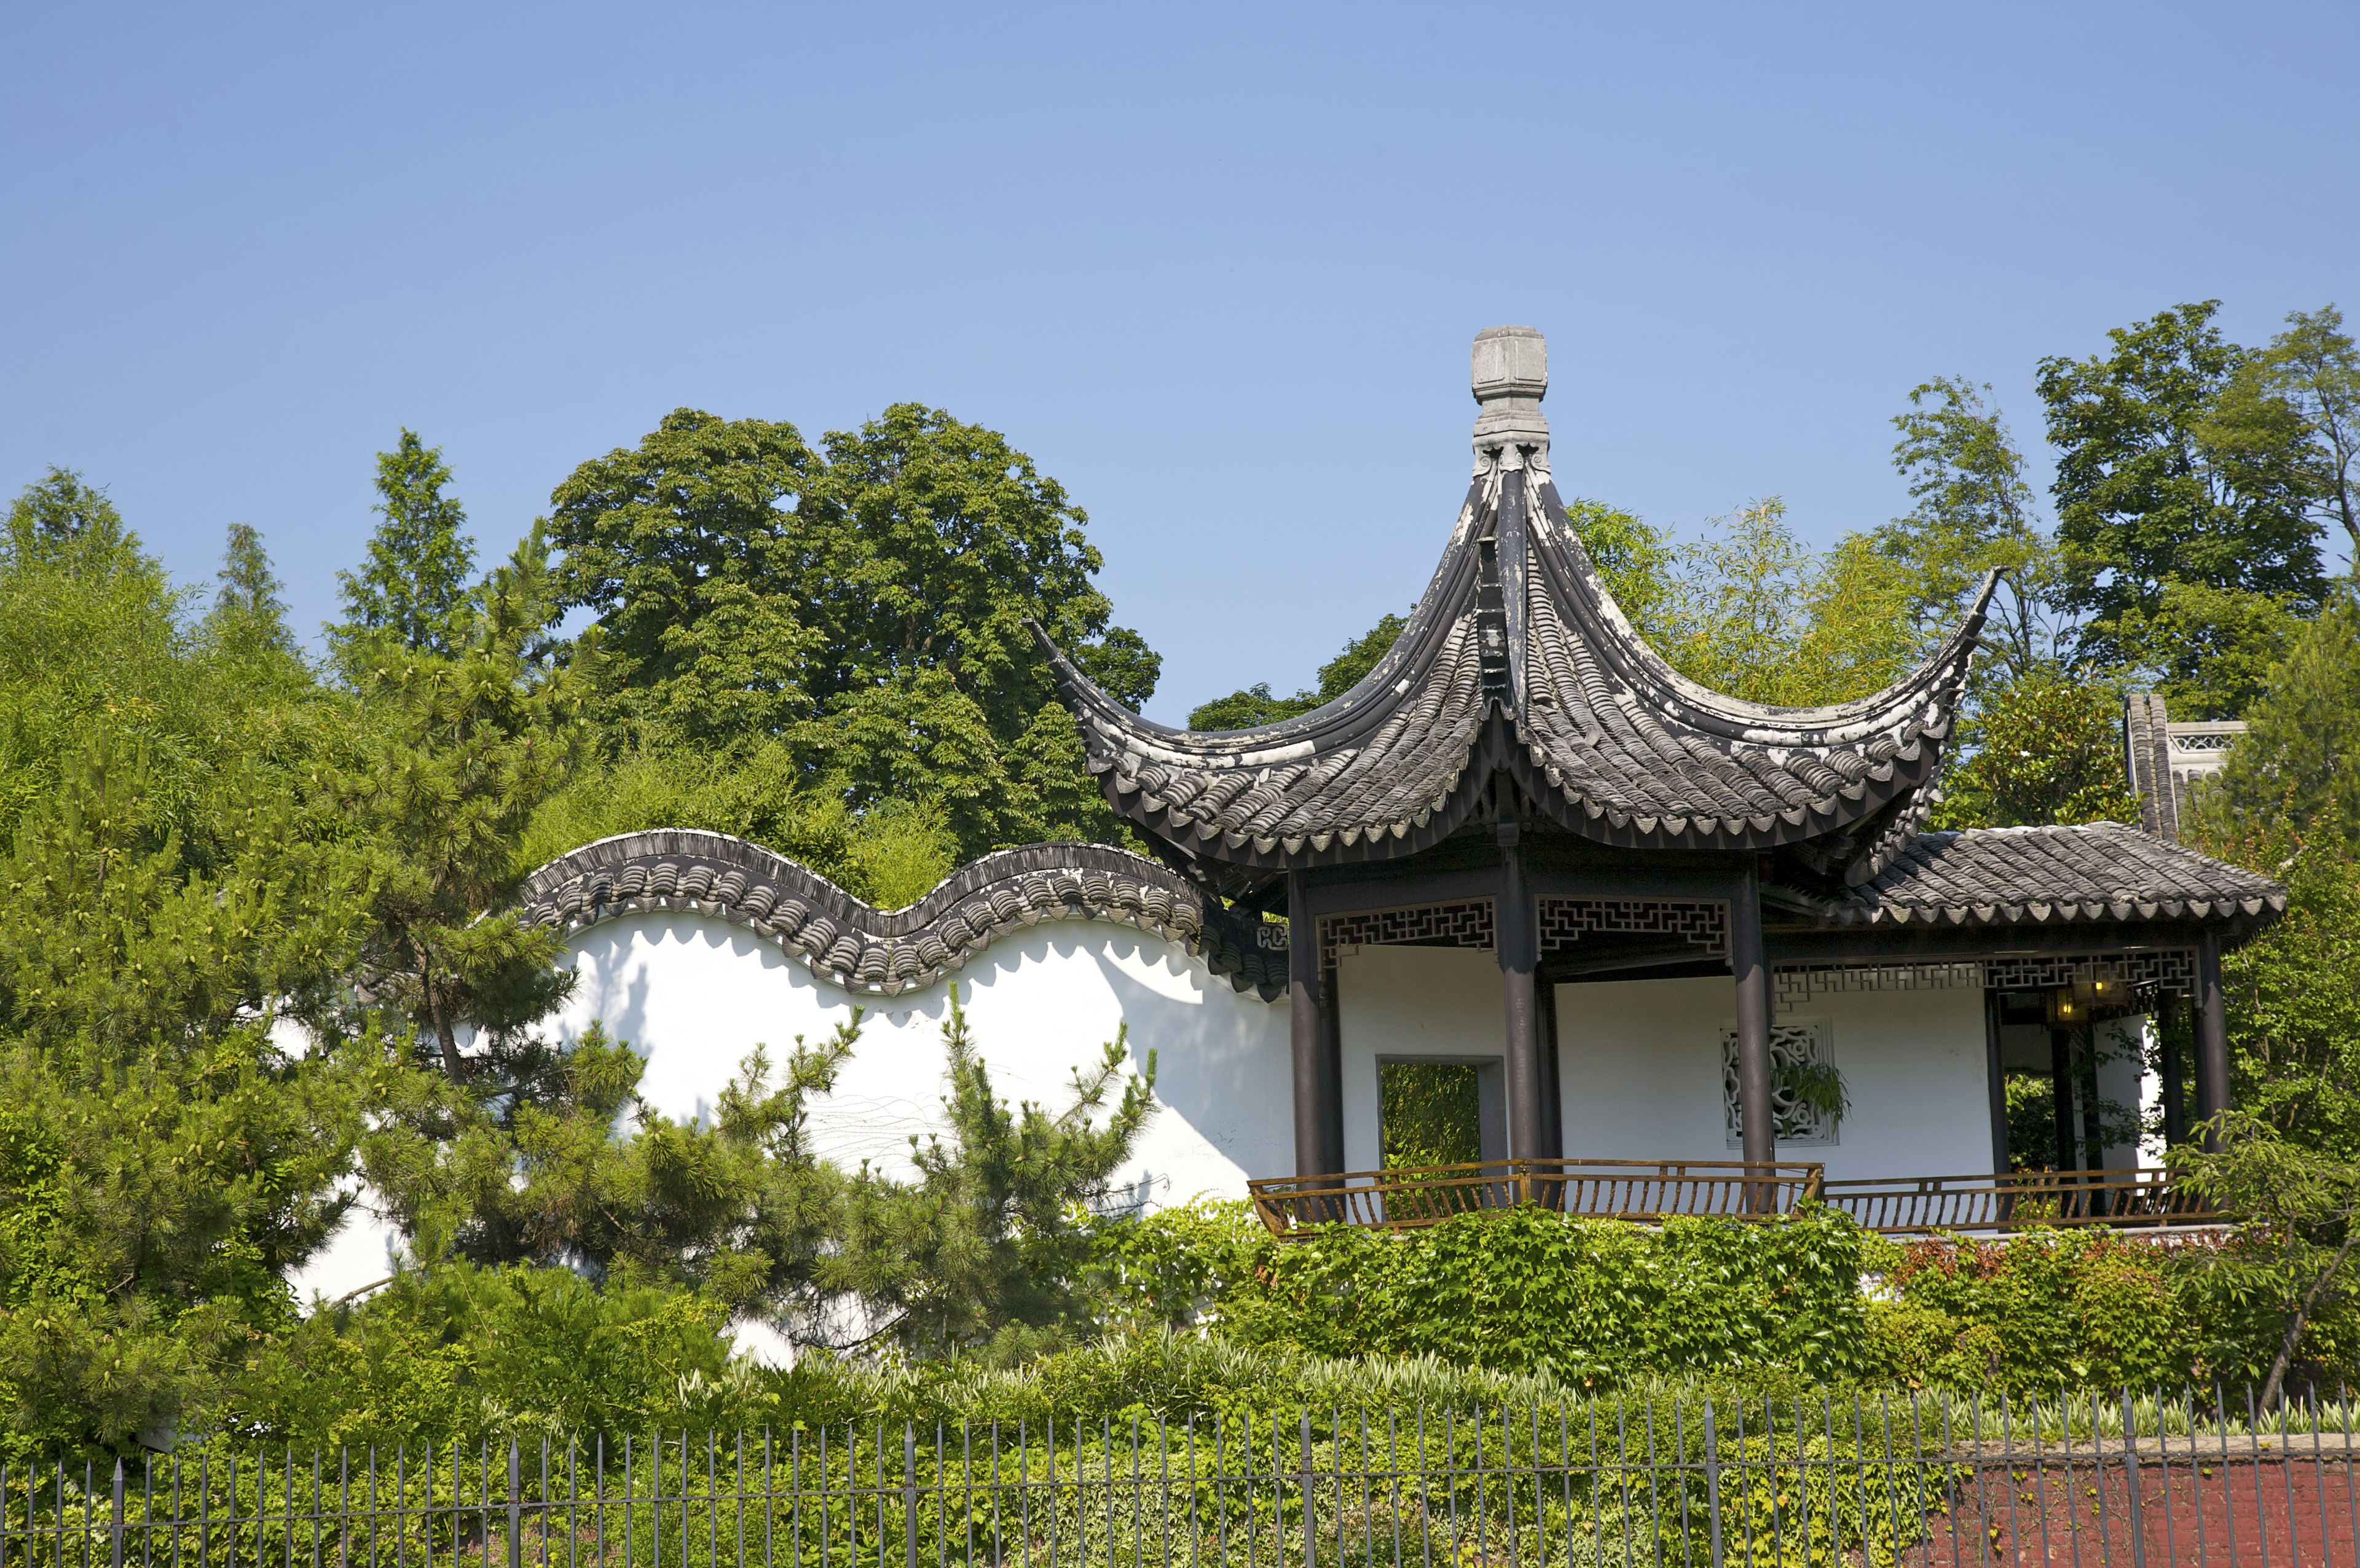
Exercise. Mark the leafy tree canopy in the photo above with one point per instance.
(2048, 749)
(2181, 466)
(1975, 513)
(2296, 769)
(864, 605)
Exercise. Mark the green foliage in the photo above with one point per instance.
(2296, 772)
(2048, 748)
(2293, 999)
(1974, 514)
(458, 1352)
(173, 889)
(1753, 614)
(2181, 465)
(1635, 562)
(2294, 1256)
(866, 609)
(413, 594)
(2314, 367)
(889, 855)
(463, 749)
(985, 1250)
(1257, 705)
(1594, 1302)
(2084, 1308)
(247, 611)
(1432, 1113)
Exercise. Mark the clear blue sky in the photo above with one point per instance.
(1217, 269)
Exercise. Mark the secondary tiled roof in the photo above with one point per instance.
(892, 951)
(1518, 659)
(2104, 871)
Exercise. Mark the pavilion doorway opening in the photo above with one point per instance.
(1441, 1110)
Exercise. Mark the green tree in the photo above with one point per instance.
(693, 549)
(247, 611)
(2050, 750)
(1752, 612)
(1636, 560)
(465, 747)
(1974, 514)
(412, 593)
(171, 893)
(866, 608)
(2301, 1214)
(1256, 704)
(2315, 368)
(63, 518)
(2296, 768)
(2179, 466)
(988, 1250)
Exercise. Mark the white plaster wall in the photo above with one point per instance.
(1639, 1062)
(1408, 1001)
(695, 995)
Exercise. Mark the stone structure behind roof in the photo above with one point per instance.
(2166, 759)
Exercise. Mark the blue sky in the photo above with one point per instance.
(1217, 269)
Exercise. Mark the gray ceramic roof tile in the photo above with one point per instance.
(2103, 871)
(892, 951)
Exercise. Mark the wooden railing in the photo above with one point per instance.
(1409, 1196)
(2021, 1199)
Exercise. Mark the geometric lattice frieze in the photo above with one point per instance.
(2172, 971)
(1797, 985)
(2169, 971)
(1702, 923)
(1467, 923)
(1794, 1047)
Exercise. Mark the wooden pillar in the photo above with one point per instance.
(1318, 1097)
(2175, 1071)
(1552, 1081)
(2211, 1034)
(2061, 1088)
(1519, 952)
(1996, 1076)
(1758, 1131)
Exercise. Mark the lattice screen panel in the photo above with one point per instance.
(1469, 924)
(2171, 972)
(1792, 1046)
(1702, 923)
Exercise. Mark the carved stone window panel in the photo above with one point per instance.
(1793, 1045)
(1702, 923)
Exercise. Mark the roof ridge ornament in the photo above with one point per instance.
(1510, 374)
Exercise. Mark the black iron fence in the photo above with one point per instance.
(1671, 1480)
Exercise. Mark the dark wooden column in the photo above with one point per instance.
(1552, 1082)
(1318, 1093)
(2175, 1074)
(2060, 1089)
(1758, 1131)
(1519, 954)
(1996, 1074)
(2211, 1034)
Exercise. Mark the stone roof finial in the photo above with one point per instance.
(1511, 378)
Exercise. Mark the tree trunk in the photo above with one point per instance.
(2301, 1315)
(439, 1010)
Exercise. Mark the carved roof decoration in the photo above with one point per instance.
(888, 951)
(2045, 875)
(1518, 659)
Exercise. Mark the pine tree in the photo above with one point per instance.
(247, 614)
(413, 592)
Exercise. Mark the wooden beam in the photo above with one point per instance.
(1318, 1098)
(1519, 952)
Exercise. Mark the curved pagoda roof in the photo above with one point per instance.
(1518, 660)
